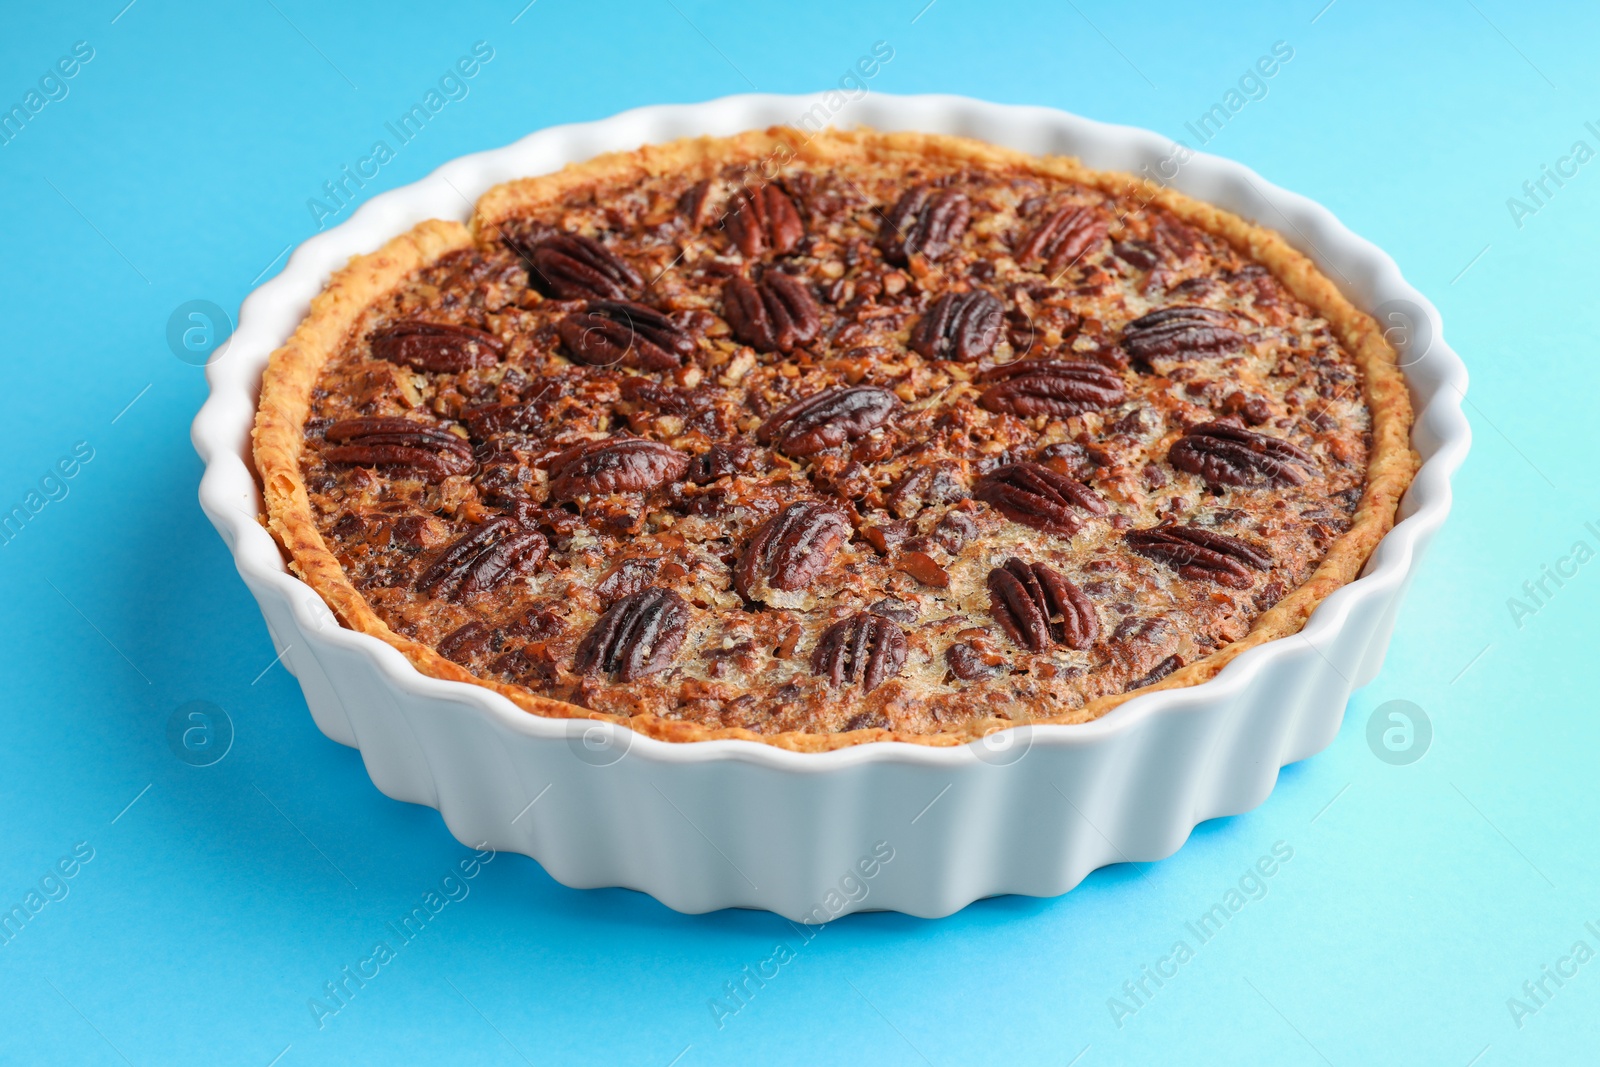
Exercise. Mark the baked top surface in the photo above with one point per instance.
(833, 439)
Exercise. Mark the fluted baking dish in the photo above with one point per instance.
(732, 823)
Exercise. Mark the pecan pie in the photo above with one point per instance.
(817, 440)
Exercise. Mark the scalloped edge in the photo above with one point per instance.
(1296, 699)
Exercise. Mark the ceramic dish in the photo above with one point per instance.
(884, 825)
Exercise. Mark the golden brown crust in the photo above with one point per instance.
(294, 369)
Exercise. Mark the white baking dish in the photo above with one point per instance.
(923, 830)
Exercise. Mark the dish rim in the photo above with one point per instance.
(221, 429)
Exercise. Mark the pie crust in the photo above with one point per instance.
(289, 397)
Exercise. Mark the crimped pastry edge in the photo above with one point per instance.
(293, 369)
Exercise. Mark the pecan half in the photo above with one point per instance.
(1059, 388)
(609, 333)
(484, 558)
(764, 220)
(826, 419)
(790, 550)
(694, 202)
(1026, 599)
(465, 641)
(573, 267)
(1176, 238)
(1063, 238)
(776, 314)
(636, 637)
(432, 451)
(614, 465)
(924, 221)
(627, 577)
(1137, 254)
(968, 664)
(863, 650)
(960, 326)
(1182, 333)
(435, 346)
(1037, 496)
(1224, 454)
(1199, 554)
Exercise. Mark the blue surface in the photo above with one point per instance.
(219, 900)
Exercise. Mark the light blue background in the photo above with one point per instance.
(1419, 897)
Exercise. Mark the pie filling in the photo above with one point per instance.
(830, 445)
